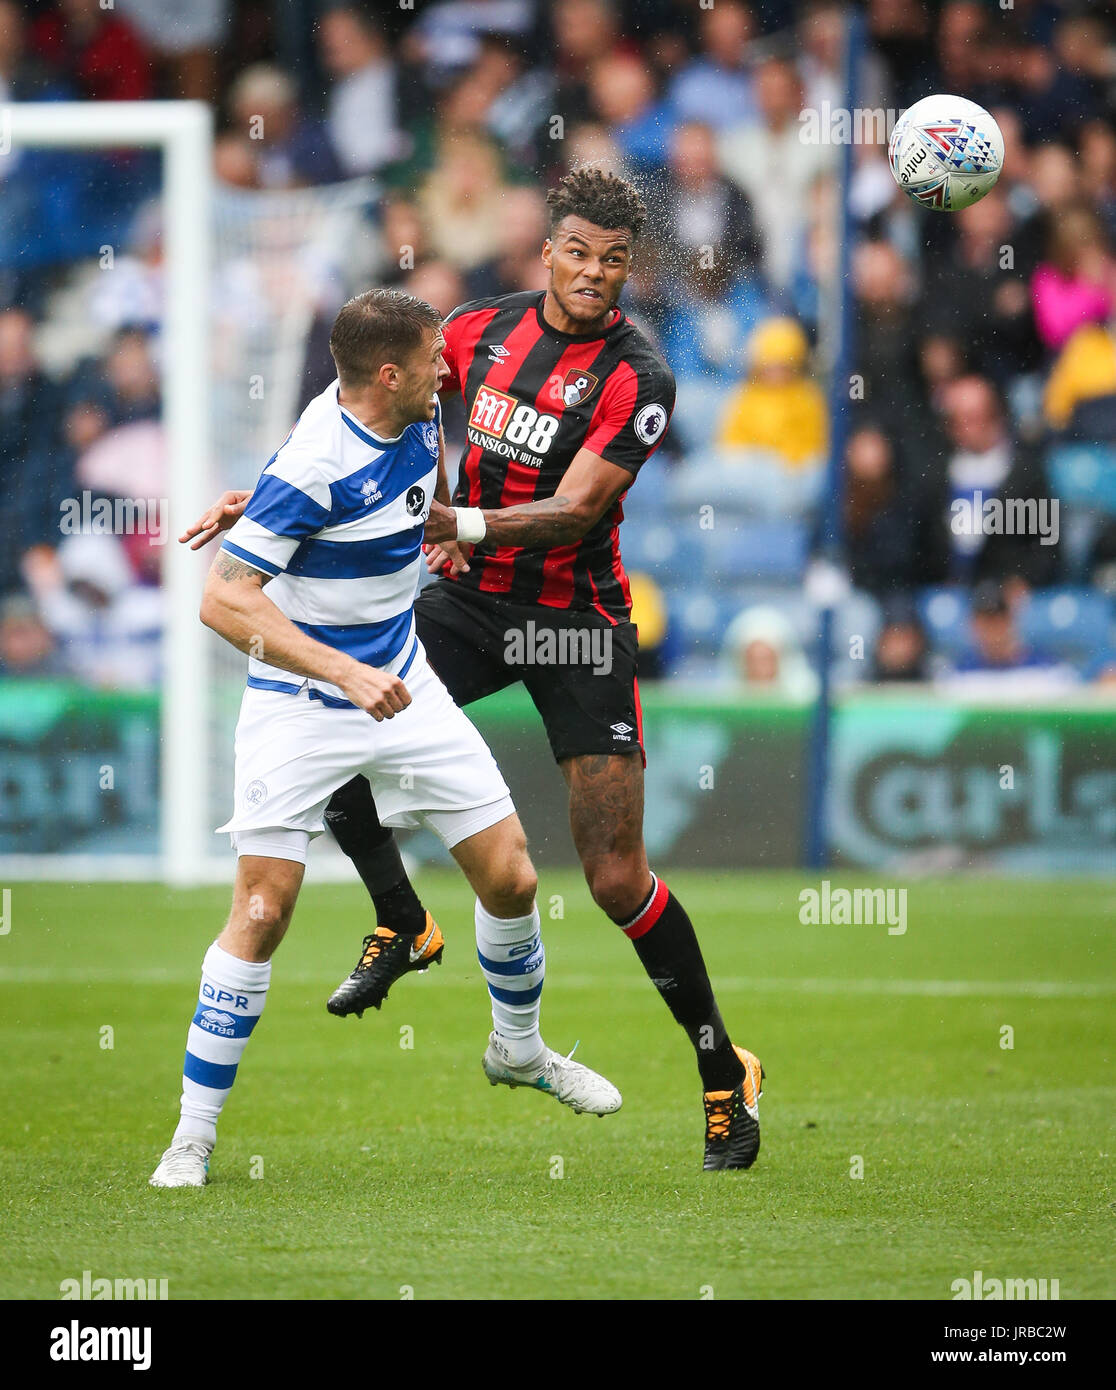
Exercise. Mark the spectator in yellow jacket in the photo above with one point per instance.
(1085, 370)
(779, 409)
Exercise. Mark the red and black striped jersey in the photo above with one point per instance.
(533, 398)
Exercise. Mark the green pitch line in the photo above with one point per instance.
(382, 1167)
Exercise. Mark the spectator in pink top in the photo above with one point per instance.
(1076, 284)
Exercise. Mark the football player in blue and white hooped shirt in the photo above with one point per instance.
(338, 685)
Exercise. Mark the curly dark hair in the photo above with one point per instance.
(599, 197)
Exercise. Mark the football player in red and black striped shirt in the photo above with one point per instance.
(565, 400)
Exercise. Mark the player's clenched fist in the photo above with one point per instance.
(378, 694)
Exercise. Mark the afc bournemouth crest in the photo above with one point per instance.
(578, 386)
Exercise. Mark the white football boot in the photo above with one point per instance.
(185, 1164)
(567, 1081)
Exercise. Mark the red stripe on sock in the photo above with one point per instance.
(641, 925)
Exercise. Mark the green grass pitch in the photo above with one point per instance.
(382, 1169)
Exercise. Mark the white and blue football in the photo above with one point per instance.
(946, 152)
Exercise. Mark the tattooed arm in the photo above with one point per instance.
(236, 608)
(588, 488)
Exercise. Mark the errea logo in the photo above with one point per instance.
(370, 491)
(216, 1021)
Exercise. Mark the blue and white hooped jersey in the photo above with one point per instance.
(337, 518)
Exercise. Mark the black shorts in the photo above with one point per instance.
(579, 669)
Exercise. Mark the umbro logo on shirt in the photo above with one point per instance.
(497, 352)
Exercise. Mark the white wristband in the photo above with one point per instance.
(470, 525)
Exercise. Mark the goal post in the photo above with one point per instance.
(823, 584)
(183, 132)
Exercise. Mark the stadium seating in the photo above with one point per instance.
(701, 618)
(945, 616)
(1075, 624)
(1083, 478)
(1084, 475)
(772, 549)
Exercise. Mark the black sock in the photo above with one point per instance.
(668, 949)
(351, 816)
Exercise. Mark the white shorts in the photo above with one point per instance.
(427, 766)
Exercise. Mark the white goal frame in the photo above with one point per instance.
(183, 132)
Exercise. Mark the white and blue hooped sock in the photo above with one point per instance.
(513, 960)
(230, 1001)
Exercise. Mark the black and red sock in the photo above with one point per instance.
(351, 816)
(667, 946)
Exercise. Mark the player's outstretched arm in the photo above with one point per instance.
(588, 489)
(451, 554)
(236, 608)
(215, 519)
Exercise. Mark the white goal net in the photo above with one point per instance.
(249, 281)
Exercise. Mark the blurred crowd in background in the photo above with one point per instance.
(984, 364)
